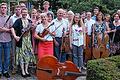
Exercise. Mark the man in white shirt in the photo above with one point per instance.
(89, 22)
(61, 28)
(15, 16)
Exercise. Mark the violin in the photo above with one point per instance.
(48, 68)
(45, 31)
(26, 30)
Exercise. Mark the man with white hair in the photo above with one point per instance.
(60, 30)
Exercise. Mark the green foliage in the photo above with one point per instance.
(107, 6)
(104, 69)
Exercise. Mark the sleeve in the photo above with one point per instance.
(10, 22)
(118, 28)
(37, 30)
(65, 27)
(16, 24)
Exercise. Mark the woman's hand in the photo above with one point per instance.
(42, 39)
(114, 30)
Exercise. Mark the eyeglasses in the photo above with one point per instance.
(3, 7)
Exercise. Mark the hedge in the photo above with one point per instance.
(104, 69)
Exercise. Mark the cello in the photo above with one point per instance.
(88, 54)
(102, 42)
(65, 47)
(95, 51)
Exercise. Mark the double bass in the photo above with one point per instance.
(49, 68)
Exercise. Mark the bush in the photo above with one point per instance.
(104, 69)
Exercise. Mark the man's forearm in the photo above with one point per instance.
(4, 29)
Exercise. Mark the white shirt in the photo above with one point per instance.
(77, 35)
(67, 23)
(88, 24)
(40, 28)
(14, 18)
(59, 26)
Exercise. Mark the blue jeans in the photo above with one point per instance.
(58, 53)
(63, 57)
(13, 55)
(5, 47)
(78, 55)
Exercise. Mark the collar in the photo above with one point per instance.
(16, 16)
(3, 15)
(59, 20)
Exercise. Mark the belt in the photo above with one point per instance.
(58, 37)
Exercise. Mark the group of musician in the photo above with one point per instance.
(26, 38)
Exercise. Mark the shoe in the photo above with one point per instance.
(84, 68)
(28, 75)
(13, 72)
(0, 75)
(6, 75)
(24, 76)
